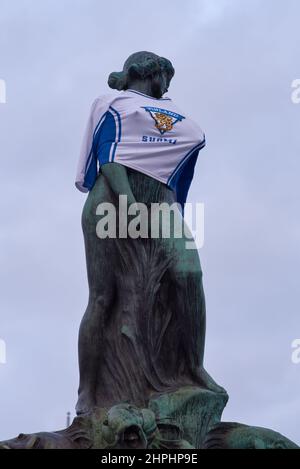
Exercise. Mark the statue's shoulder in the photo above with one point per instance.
(101, 105)
(103, 100)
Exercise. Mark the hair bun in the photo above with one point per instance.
(117, 81)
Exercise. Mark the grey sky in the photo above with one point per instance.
(240, 58)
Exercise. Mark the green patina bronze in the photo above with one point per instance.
(142, 338)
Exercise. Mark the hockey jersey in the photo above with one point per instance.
(149, 135)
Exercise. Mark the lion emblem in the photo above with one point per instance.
(163, 118)
(163, 122)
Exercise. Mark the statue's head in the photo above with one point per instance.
(144, 67)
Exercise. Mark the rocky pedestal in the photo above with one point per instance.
(188, 418)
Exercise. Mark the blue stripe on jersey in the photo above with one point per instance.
(172, 178)
(184, 179)
(105, 138)
(97, 129)
(119, 132)
(91, 173)
(97, 133)
(181, 179)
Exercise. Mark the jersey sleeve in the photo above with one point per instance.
(181, 181)
(87, 169)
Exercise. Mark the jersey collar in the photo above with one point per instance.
(147, 96)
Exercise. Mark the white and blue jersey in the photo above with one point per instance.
(149, 135)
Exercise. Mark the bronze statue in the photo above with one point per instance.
(144, 328)
(142, 337)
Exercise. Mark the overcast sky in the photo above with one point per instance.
(235, 62)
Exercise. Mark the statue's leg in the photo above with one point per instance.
(99, 254)
(90, 347)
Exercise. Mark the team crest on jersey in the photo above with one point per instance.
(164, 119)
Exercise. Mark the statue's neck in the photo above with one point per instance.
(144, 87)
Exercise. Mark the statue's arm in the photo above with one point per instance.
(117, 178)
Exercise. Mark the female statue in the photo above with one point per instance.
(143, 331)
(141, 340)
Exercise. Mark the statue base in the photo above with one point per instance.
(184, 419)
(194, 410)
